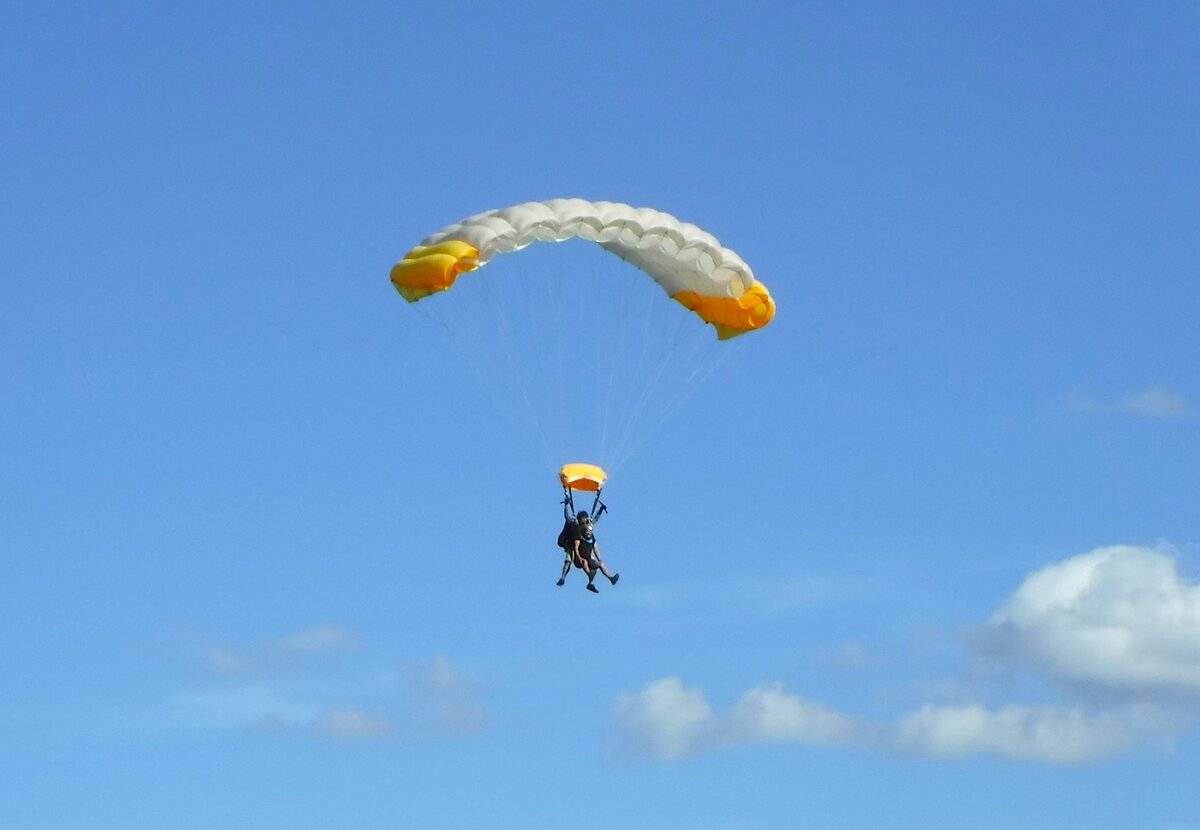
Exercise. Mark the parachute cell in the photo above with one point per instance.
(687, 262)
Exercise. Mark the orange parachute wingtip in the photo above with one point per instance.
(428, 269)
(732, 316)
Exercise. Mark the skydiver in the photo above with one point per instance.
(568, 540)
(583, 551)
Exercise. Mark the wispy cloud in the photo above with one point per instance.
(323, 639)
(278, 706)
(776, 596)
(334, 725)
(846, 656)
(288, 685)
(281, 653)
(237, 707)
(1148, 403)
(1064, 735)
(419, 701)
(1119, 620)
(444, 699)
(355, 725)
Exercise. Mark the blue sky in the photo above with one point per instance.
(923, 553)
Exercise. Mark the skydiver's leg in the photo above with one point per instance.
(591, 573)
(581, 562)
(566, 567)
(612, 578)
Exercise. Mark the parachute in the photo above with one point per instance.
(587, 477)
(517, 325)
(687, 262)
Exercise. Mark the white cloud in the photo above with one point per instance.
(846, 656)
(226, 661)
(286, 685)
(439, 677)
(268, 709)
(238, 707)
(277, 654)
(1119, 618)
(1030, 733)
(263, 709)
(1148, 403)
(665, 721)
(768, 713)
(1154, 403)
(445, 700)
(354, 725)
(778, 595)
(322, 639)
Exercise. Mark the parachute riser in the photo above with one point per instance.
(598, 506)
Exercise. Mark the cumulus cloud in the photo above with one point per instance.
(663, 721)
(1148, 403)
(768, 713)
(1120, 618)
(666, 721)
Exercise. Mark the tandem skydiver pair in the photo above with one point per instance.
(577, 538)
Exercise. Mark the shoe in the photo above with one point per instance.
(560, 583)
(592, 588)
(614, 579)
